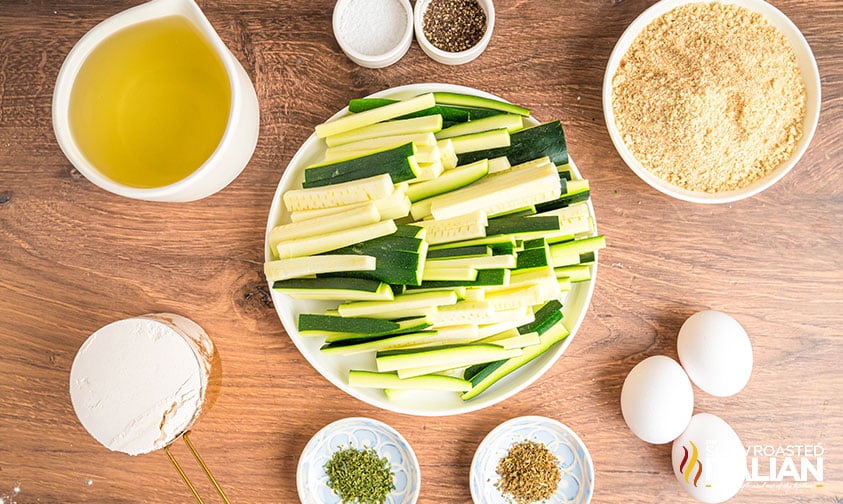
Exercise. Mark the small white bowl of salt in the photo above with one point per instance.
(373, 33)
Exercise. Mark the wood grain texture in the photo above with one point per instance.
(75, 258)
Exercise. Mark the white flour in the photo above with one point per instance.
(372, 27)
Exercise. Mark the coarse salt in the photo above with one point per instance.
(372, 27)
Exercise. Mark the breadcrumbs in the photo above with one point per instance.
(709, 97)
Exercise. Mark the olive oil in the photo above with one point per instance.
(150, 104)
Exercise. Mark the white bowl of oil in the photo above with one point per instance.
(150, 104)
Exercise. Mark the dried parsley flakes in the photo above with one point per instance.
(359, 476)
(528, 473)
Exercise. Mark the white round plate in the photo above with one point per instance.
(575, 466)
(807, 67)
(360, 433)
(335, 368)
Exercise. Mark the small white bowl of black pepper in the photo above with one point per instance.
(454, 32)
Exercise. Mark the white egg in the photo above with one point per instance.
(709, 459)
(657, 400)
(716, 353)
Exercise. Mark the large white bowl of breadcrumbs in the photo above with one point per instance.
(711, 102)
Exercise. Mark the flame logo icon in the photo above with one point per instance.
(686, 467)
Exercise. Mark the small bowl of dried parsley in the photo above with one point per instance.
(358, 460)
(453, 32)
(711, 102)
(532, 459)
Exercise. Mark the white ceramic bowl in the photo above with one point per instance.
(346, 30)
(807, 66)
(575, 466)
(453, 58)
(335, 368)
(360, 433)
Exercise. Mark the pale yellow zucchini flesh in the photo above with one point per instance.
(385, 113)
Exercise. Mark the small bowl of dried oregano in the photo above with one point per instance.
(711, 102)
(532, 459)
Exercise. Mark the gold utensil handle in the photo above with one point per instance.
(204, 469)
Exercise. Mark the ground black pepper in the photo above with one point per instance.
(528, 473)
(454, 25)
(359, 476)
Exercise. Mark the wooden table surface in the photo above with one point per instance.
(75, 258)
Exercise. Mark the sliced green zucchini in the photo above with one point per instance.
(519, 296)
(331, 241)
(310, 322)
(496, 261)
(449, 157)
(513, 340)
(284, 269)
(533, 258)
(370, 145)
(332, 288)
(506, 191)
(449, 114)
(546, 317)
(409, 325)
(441, 358)
(465, 100)
(449, 181)
(546, 139)
(570, 252)
(482, 141)
(366, 214)
(394, 206)
(576, 191)
(478, 372)
(458, 252)
(499, 164)
(498, 244)
(509, 122)
(459, 227)
(426, 124)
(398, 162)
(428, 172)
(484, 277)
(410, 230)
(369, 117)
(348, 193)
(514, 224)
(424, 300)
(353, 347)
(574, 273)
(464, 273)
(371, 379)
(397, 267)
(498, 371)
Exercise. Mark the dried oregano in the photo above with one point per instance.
(528, 473)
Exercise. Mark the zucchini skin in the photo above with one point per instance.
(467, 100)
(546, 139)
(394, 161)
(451, 115)
(519, 224)
(331, 282)
(318, 322)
